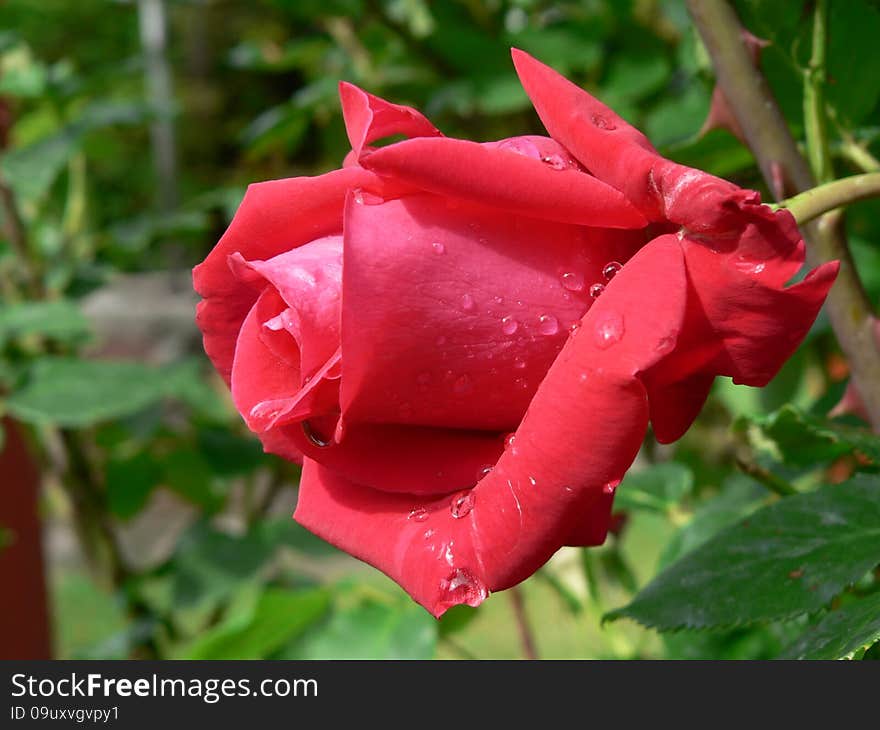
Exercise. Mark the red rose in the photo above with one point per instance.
(442, 331)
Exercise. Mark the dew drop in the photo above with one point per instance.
(609, 329)
(602, 122)
(574, 326)
(596, 290)
(519, 363)
(611, 486)
(554, 161)
(462, 385)
(467, 303)
(266, 409)
(521, 383)
(358, 196)
(509, 440)
(462, 504)
(509, 325)
(666, 345)
(419, 514)
(438, 248)
(573, 281)
(547, 324)
(533, 481)
(313, 436)
(461, 586)
(611, 268)
(429, 533)
(485, 471)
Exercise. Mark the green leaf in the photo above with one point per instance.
(189, 474)
(59, 320)
(853, 88)
(659, 488)
(129, 484)
(210, 565)
(71, 392)
(739, 497)
(784, 560)
(371, 627)
(31, 170)
(261, 625)
(840, 633)
(192, 384)
(804, 440)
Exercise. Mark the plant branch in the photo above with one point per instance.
(819, 200)
(815, 114)
(787, 173)
(526, 635)
(765, 477)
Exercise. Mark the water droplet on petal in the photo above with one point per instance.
(521, 383)
(509, 325)
(573, 281)
(419, 514)
(438, 247)
(611, 486)
(462, 385)
(484, 471)
(596, 290)
(555, 162)
(609, 329)
(519, 363)
(313, 436)
(509, 440)
(666, 344)
(462, 504)
(461, 586)
(748, 266)
(547, 324)
(467, 303)
(601, 122)
(358, 196)
(611, 268)
(429, 533)
(533, 481)
(574, 327)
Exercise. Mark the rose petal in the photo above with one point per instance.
(496, 176)
(410, 459)
(582, 431)
(274, 217)
(481, 306)
(368, 118)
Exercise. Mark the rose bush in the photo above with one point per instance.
(464, 344)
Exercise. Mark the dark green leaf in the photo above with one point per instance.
(130, 483)
(784, 560)
(840, 632)
(805, 440)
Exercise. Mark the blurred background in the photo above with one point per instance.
(138, 517)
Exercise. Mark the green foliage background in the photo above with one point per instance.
(201, 559)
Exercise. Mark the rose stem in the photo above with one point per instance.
(526, 635)
(784, 167)
(819, 200)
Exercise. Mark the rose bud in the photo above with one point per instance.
(464, 343)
